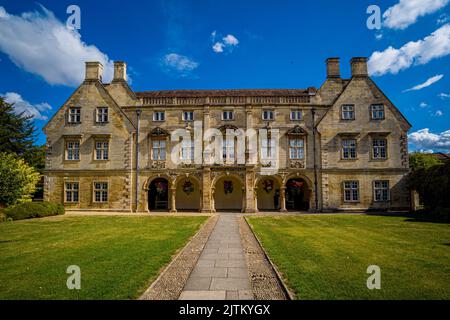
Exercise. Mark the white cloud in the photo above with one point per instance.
(22, 106)
(420, 52)
(218, 47)
(444, 95)
(406, 12)
(179, 64)
(228, 42)
(439, 113)
(423, 105)
(427, 83)
(424, 139)
(41, 44)
(443, 18)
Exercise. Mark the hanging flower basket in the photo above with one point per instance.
(268, 185)
(228, 186)
(161, 187)
(188, 187)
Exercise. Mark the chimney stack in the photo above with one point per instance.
(120, 71)
(359, 67)
(333, 69)
(94, 70)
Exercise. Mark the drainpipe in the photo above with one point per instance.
(316, 196)
(136, 189)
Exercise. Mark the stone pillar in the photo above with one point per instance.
(173, 192)
(213, 203)
(255, 193)
(250, 191)
(283, 199)
(207, 197)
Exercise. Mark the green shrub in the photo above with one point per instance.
(28, 210)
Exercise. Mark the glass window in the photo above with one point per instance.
(348, 112)
(159, 116)
(228, 150)
(296, 115)
(377, 111)
(101, 150)
(267, 149)
(296, 148)
(102, 115)
(72, 189)
(187, 149)
(351, 191)
(74, 115)
(159, 150)
(227, 115)
(267, 115)
(101, 191)
(379, 147)
(381, 190)
(349, 149)
(73, 150)
(188, 115)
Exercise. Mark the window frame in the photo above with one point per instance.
(99, 116)
(102, 150)
(297, 148)
(383, 112)
(188, 112)
(229, 112)
(297, 112)
(343, 112)
(268, 111)
(344, 147)
(190, 152)
(351, 190)
(72, 191)
(155, 113)
(373, 147)
(76, 114)
(102, 191)
(383, 189)
(159, 149)
(66, 149)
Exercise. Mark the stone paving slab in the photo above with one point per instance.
(203, 295)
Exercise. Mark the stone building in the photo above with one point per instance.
(340, 147)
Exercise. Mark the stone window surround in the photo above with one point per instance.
(183, 117)
(383, 111)
(388, 189)
(101, 190)
(372, 148)
(99, 117)
(351, 189)
(348, 136)
(296, 110)
(232, 114)
(76, 114)
(152, 154)
(156, 112)
(68, 139)
(343, 112)
(272, 111)
(72, 191)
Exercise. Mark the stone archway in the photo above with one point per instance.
(188, 194)
(297, 194)
(228, 194)
(268, 194)
(158, 194)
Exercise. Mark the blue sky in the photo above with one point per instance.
(231, 44)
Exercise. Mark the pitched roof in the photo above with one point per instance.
(227, 93)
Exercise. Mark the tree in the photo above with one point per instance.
(17, 179)
(418, 160)
(17, 131)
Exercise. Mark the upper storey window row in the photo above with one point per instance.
(348, 112)
(101, 115)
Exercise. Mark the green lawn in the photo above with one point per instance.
(326, 257)
(119, 256)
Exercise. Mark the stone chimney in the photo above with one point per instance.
(333, 69)
(359, 67)
(94, 70)
(120, 71)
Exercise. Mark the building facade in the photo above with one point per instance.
(340, 147)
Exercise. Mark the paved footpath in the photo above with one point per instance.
(221, 271)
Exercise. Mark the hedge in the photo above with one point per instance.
(28, 210)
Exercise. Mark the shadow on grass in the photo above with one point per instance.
(419, 216)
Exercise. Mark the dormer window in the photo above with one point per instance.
(74, 115)
(102, 115)
(377, 111)
(348, 112)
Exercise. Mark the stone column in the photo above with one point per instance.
(249, 191)
(213, 203)
(255, 193)
(207, 201)
(243, 205)
(283, 199)
(173, 192)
